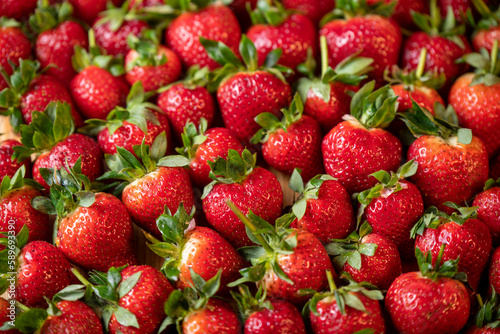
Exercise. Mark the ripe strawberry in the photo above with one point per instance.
(488, 208)
(368, 35)
(7, 315)
(403, 11)
(494, 270)
(314, 10)
(262, 315)
(238, 86)
(455, 231)
(486, 318)
(250, 188)
(214, 22)
(293, 142)
(87, 10)
(430, 300)
(475, 98)
(452, 164)
(358, 147)
(392, 207)
(14, 45)
(9, 166)
(188, 101)
(349, 309)
(56, 38)
(17, 9)
(203, 146)
(460, 8)
(187, 246)
(287, 260)
(487, 29)
(323, 207)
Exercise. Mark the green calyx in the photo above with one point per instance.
(440, 269)
(48, 17)
(374, 109)
(350, 249)
(231, 64)
(195, 77)
(8, 266)
(248, 303)
(346, 9)
(267, 13)
(234, 169)
(491, 183)
(181, 303)
(489, 313)
(421, 122)
(487, 66)
(17, 181)
(173, 229)
(46, 129)
(147, 48)
(192, 138)
(6, 22)
(433, 218)
(489, 18)
(116, 16)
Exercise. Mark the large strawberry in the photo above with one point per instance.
(476, 98)
(488, 208)
(364, 31)
(14, 45)
(9, 166)
(487, 29)
(314, 10)
(239, 86)
(293, 142)
(486, 318)
(429, 301)
(360, 146)
(250, 188)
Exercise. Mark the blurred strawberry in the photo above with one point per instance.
(87, 10)
(314, 10)
(460, 8)
(16, 9)
(9, 166)
(14, 45)
(488, 208)
(487, 29)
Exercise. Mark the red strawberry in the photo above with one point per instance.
(488, 211)
(486, 319)
(323, 207)
(140, 4)
(250, 188)
(14, 45)
(203, 146)
(459, 7)
(349, 309)
(8, 166)
(214, 22)
(494, 270)
(359, 146)
(87, 10)
(370, 35)
(315, 10)
(17, 9)
(403, 11)
(429, 301)
(293, 142)
(8, 314)
(487, 29)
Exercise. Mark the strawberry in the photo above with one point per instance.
(488, 208)
(487, 29)
(293, 142)
(202, 146)
(93, 230)
(404, 9)
(455, 231)
(187, 246)
(87, 10)
(14, 45)
(239, 84)
(250, 188)
(323, 207)
(314, 10)
(195, 310)
(359, 146)
(188, 101)
(494, 270)
(57, 37)
(151, 63)
(364, 31)
(349, 309)
(286, 260)
(7, 315)
(17, 10)
(9, 166)
(486, 318)
(393, 206)
(214, 22)
(475, 98)
(431, 300)
(459, 7)
(452, 163)
(264, 315)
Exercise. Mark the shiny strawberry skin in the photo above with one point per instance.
(87, 10)
(485, 38)
(294, 37)
(488, 203)
(9, 167)
(216, 318)
(96, 92)
(330, 320)
(241, 100)
(447, 172)
(306, 267)
(115, 42)
(298, 147)
(419, 304)
(377, 37)
(471, 242)
(330, 216)
(68, 151)
(43, 271)
(76, 317)
(5, 314)
(478, 109)
(213, 22)
(260, 192)
(219, 141)
(424, 96)
(13, 45)
(494, 270)
(351, 153)
(182, 105)
(56, 46)
(17, 9)
(314, 9)
(283, 318)
(145, 300)
(98, 237)
(395, 215)
(146, 198)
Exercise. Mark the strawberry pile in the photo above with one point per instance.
(255, 166)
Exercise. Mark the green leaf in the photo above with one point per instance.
(464, 136)
(354, 260)
(30, 321)
(71, 292)
(296, 182)
(173, 161)
(367, 249)
(159, 146)
(248, 53)
(125, 317)
(299, 208)
(128, 284)
(353, 301)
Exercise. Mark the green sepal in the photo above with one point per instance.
(439, 269)
(147, 48)
(17, 181)
(195, 77)
(351, 8)
(490, 183)
(116, 16)
(30, 320)
(489, 313)
(7, 22)
(267, 13)
(48, 17)
(248, 303)
(487, 66)
(7, 265)
(192, 138)
(489, 18)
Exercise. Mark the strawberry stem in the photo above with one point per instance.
(80, 277)
(150, 237)
(479, 300)
(421, 63)
(22, 307)
(494, 55)
(324, 55)
(331, 281)
(440, 257)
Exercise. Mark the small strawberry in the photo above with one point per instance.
(404, 9)
(87, 10)
(494, 270)
(9, 166)
(359, 146)
(323, 207)
(7, 316)
(432, 300)
(14, 45)
(487, 317)
(293, 142)
(250, 188)
(488, 208)
(17, 9)
(487, 29)
(458, 7)
(349, 309)
(314, 10)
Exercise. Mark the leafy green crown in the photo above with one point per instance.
(487, 66)
(17, 181)
(48, 17)
(147, 48)
(489, 18)
(192, 138)
(439, 269)
(351, 8)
